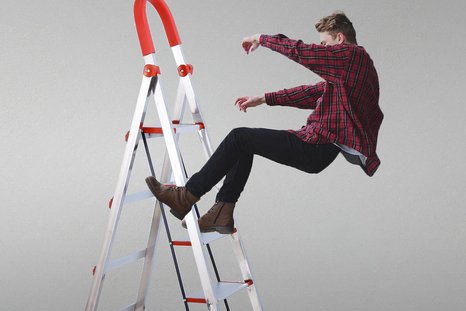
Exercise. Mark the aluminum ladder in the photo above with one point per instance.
(214, 291)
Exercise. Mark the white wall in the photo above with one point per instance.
(70, 74)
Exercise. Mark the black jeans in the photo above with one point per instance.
(234, 156)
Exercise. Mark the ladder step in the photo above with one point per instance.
(138, 196)
(226, 289)
(134, 197)
(206, 238)
(128, 308)
(223, 290)
(125, 260)
(210, 237)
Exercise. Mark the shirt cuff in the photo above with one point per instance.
(270, 99)
(263, 39)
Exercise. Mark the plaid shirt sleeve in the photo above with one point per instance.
(347, 112)
(302, 97)
(326, 61)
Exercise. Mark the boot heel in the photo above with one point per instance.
(176, 214)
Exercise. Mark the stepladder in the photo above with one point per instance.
(214, 291)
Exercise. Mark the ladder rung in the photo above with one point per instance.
(125, 260)
(226, 289)
(134, 197)
(210, 237)
(223, 290)
(206, 238)
(138, 196)
(128, 308)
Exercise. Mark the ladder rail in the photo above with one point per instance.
(120, 191)
(151, 244)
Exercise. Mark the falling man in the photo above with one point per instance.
(345, 119)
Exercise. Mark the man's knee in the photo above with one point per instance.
(238, 134)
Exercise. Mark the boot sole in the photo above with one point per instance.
(219, 229)
(177, 214)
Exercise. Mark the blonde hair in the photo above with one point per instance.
(335, 23)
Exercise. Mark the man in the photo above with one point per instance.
(346, 119)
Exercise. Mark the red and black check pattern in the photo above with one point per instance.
(346, 109)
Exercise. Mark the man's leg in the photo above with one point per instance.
(234, 157)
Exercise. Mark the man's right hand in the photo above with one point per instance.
(245, 102)
(251, 43)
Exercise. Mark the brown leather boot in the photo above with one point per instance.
(179, 199)
(219, 218)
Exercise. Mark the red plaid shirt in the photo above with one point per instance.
(346, 109)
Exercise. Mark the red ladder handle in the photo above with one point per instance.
(142, 26)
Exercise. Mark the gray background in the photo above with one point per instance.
(70, 75)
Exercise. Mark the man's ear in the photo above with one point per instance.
(341, 38)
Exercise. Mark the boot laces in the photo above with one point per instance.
(175, 188)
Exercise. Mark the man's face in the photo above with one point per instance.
(327, 39)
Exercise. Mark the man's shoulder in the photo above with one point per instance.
(360, 50)
(359, 54)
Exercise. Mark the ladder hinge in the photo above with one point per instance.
(183, 70)
(151, 70)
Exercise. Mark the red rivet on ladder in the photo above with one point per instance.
(249, 282)
(201, 125)
(110, 203)
(93, 270)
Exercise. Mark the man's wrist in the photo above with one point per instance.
(262, 39)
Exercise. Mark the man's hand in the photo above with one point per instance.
(245, 102)
(251, 43)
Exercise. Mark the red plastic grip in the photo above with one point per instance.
(142, 26)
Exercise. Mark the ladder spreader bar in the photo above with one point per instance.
(177, 128)
(196, 300)
(181, 243)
